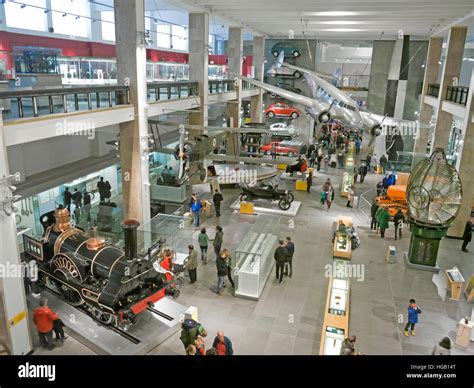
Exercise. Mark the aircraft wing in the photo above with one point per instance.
(294, 97)
(370, 119)
(256, 160)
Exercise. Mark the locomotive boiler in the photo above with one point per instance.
(111, 284)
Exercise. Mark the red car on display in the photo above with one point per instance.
(280, 148)
(282, 110)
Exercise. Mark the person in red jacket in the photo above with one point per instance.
(167, 264)
(43, 318)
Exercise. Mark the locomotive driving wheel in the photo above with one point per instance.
(71, 295)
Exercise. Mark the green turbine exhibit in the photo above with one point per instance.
(434, 194)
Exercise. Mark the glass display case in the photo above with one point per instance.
(339, 296)
(254, 257)
(333, 341)
(347, 182)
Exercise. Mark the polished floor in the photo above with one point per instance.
(287, 319)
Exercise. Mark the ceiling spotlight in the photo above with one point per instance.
(77, 17)
(64, 14)
(46, 10)
(155, 21)
(23, 6)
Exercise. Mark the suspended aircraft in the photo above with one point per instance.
(330, 103)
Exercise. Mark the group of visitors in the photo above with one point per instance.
(196, 206)
(380, 218)
(193, 336)
(284, 258)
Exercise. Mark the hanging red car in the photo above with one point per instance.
(280, 109)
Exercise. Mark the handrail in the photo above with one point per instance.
(191, 87)
(56, 91)
(457, 94)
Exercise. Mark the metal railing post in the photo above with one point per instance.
(35, 106)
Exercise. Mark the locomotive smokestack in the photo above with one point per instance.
(130, 237)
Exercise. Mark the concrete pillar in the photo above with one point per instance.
(465, 163)
(431, 77)
(3, 19)
(14, 331)
(258, 58)
(131, 67)
(95, 32)
(233, 140)
(235, 49)
(398, 78)
(451, 70)
(199, 61)
(49, 16)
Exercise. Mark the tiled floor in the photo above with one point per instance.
(288, 317)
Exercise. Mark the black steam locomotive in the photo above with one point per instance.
(113, 285)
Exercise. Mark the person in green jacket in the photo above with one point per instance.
(203, 240)
(384, 218)
(378, 213)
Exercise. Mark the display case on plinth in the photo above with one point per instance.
(254, 257)
(455, 282)
(346, 183)
(342, 242)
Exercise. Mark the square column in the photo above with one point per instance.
(258, 58)
(131, 68)
(465, 163)
(451, 70)
(199, 62)
(14, 326)
(431, 77)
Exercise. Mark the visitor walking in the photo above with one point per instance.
(196, 210)
(413, 312)
(217, 199)
(368, 160)
(290, 246)
(309, 182)
(326, 163)
(398, 223)
(281, 258)
(43, 318)
(218, 240)
(192, 264)
(350, 196)
(221, 273)
(383, 221)
(67, 199)
(373, 163)
(203, 241)
(383, 163)
(373, 211)
(228, 260)
(363, 172)
(312, 158)
(190, 331)
(101, 188)
(467, 235)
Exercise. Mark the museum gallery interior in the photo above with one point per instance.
(236, 178)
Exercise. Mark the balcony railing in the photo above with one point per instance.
(35, 102)
(457, 94)
(30, 102)
(433, 90)
(167, 90)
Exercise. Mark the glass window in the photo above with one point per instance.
(22, 16)
(108, 25)
(179, 38)
(163, 35)
(70, 24)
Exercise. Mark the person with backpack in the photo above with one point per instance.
(190, 331)
(203, 240)
(413, 312)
